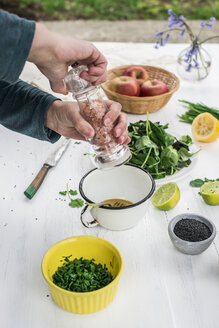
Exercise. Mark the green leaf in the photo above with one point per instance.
(169, 157)
(78, 202)
(169, 140)
(63, 193)
(145, 141)
(73, 192)
(184, 154)
(186, 140)
(197, 183)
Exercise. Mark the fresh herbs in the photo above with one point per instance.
(74, 203)
(81, 275)
(78, 202)
(157, 151)
(196, 109)
(197, 183)
(71, 192)
(63, 193)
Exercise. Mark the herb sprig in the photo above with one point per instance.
(157, 151)
(194, 109)
(197, 183)
(81, 275)
(74, 203)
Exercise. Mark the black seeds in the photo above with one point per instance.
(192, 230)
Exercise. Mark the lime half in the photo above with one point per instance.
(210, 192)
(166, 197)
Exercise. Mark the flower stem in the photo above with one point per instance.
(210, 38)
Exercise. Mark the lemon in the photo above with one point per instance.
(166, 197)
(205, 128)
(210, 192)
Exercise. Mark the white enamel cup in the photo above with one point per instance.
(128, 182)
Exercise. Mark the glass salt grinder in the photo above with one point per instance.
(108, 153)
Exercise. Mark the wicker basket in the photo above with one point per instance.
(142, 105)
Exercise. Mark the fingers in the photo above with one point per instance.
(120, 131)
(95, 61)
(94, 79)
(113, 113)
(59, 87)
(82, 126)
(97, 64)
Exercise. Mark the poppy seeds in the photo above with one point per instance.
(192, 230)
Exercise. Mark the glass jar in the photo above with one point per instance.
(108, 153)
(194, 63)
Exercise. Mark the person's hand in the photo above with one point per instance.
(64, 118)
(53, 54)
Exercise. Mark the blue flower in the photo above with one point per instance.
(209, 25)
(158, 34)
(195, 62)
(167, 38)
(182, 34)
(181, 17)
(170, 12)
(178, 23)
(188, 69)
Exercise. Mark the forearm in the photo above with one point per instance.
(16, 35)
(23, 108)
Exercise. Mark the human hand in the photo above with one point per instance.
(53, 54)
(64, 118)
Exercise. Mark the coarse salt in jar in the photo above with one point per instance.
(93, 108)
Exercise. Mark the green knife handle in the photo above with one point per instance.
(36, 183)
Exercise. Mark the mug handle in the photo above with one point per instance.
(85, 213)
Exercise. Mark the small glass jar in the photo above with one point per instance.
(93, 108)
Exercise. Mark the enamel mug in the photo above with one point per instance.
(128, 182)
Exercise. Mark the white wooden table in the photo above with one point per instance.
(160, 287)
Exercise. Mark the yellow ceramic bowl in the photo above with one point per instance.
(87, 247)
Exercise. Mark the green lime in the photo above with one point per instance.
(166, 197)
(210, 192)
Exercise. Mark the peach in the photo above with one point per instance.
(125, 85)
(137, 72)
(153, 88)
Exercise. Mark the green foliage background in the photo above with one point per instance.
(125, 9)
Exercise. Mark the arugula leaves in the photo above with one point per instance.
(81, 275)
(74, 203)
(157, 151)
(197, 183)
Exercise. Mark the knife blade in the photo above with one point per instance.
(51, 161)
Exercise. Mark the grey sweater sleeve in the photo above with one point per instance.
(16, 36)
(23, 107)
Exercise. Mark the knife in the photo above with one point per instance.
(51, 161)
